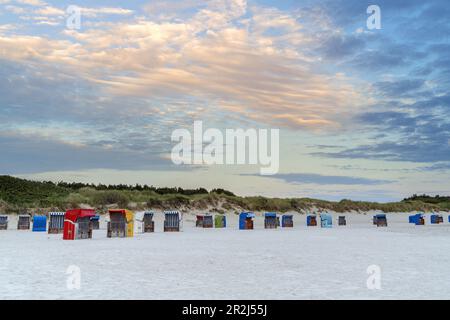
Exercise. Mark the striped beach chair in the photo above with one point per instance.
(172, 221)
(3, 222)
(56, 222)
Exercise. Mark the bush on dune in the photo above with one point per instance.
(103, 198)
(16, 194)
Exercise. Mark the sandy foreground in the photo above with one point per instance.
(298, 263)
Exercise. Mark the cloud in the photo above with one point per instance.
(375, 61)
(434, 102)
(6, 27)
(36, 3)
(412, 138)
(345, 13)
(395, 151)
(95, 12)
(440, 166)
(398, 88)
(309, 178)
(213, 56)
(41, 12)
(339, 46)
(172, 8)
(50, 11)
(15, 9)
(28, 154)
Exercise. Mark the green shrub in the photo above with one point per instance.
(16, 194)
(74, 200)
(103, 198)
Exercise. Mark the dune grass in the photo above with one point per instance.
(18, 195)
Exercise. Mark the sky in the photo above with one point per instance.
(363, 113)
